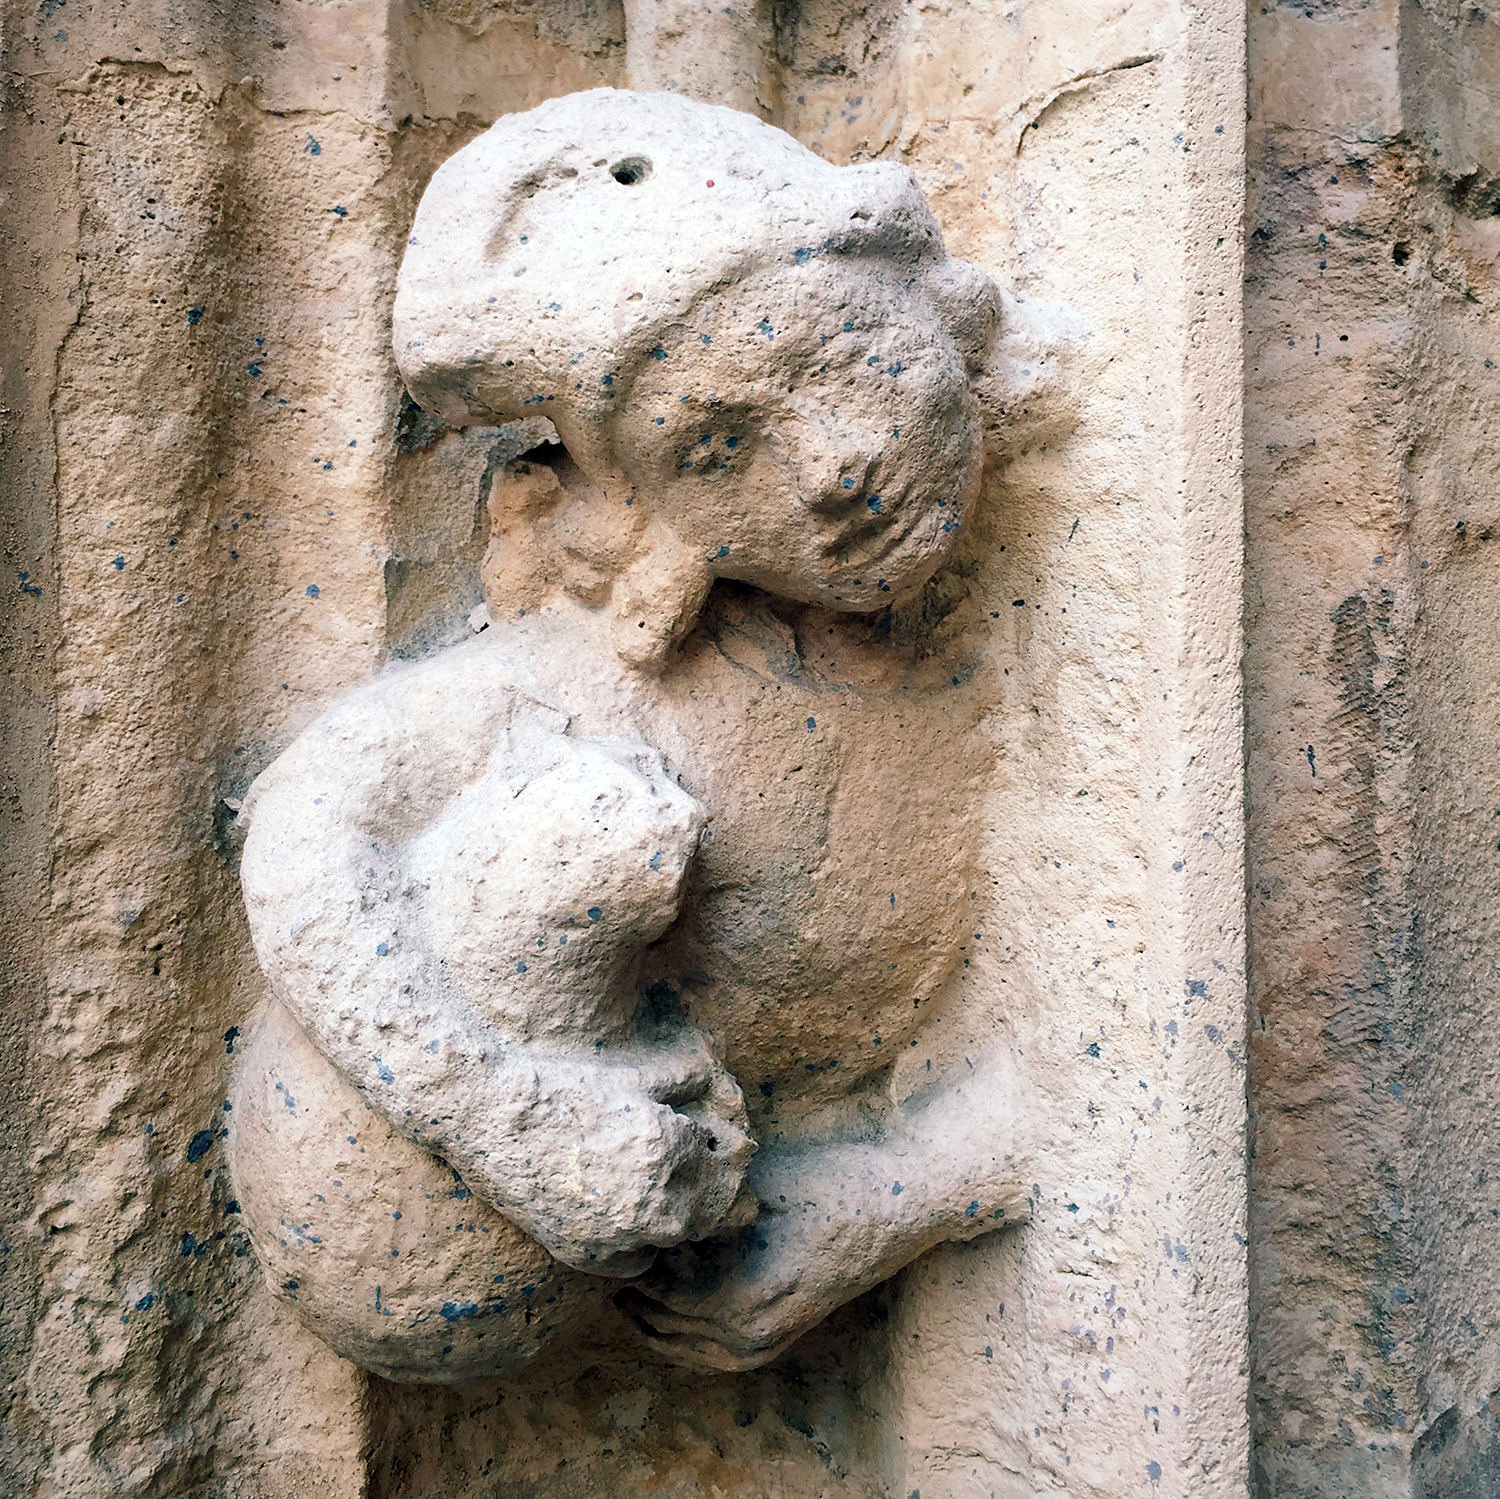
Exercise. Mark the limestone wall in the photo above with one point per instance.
(221, 514)
(1369, 378)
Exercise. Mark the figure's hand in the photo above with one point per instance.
(614, 1156)
(738, 1301)
(834, 1220)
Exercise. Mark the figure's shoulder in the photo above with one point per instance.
(549, 667)
(419, 729)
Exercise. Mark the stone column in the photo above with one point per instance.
(1093, 162)
(721, 54)
(1371, 377)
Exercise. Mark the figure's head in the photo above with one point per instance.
(771, 354)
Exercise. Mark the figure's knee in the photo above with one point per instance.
(378, 1245)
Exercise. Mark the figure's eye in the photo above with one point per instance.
(720, 445)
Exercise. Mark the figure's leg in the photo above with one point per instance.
(378, 1245)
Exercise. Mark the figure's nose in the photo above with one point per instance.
(840, 475)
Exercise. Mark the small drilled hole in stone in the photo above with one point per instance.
(631, 170)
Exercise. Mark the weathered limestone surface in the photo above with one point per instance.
(226, 514)
(557, 903)
(1371, 382)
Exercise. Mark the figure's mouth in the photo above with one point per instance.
(883, 531)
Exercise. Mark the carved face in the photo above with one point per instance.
(771, 350)
(810, 430)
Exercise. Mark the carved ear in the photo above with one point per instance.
(658, 598)
(968, 302)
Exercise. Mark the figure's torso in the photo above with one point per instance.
(830, 895)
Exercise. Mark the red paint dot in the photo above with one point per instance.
(709, 183)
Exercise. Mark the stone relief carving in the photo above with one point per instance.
(593, 941)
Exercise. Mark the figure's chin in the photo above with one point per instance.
(902, 571)
(625, 1265)
(886, 581)
(888, 574)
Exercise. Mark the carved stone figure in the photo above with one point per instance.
(595, 941)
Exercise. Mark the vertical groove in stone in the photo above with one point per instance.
(1370, 668)
(721, 54)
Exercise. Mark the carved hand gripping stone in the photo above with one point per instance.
(593, 941)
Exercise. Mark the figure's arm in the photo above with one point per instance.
(599, 1151)
(835, 1221)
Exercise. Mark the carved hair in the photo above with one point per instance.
(548, 255)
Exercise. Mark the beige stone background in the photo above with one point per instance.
(218, 515)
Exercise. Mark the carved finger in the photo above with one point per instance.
(680, 1074)
(697, 1342)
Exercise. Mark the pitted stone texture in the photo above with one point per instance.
(723, 53)
(551, 899)
(380, 876)
(379, 1247)
(645, 270)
